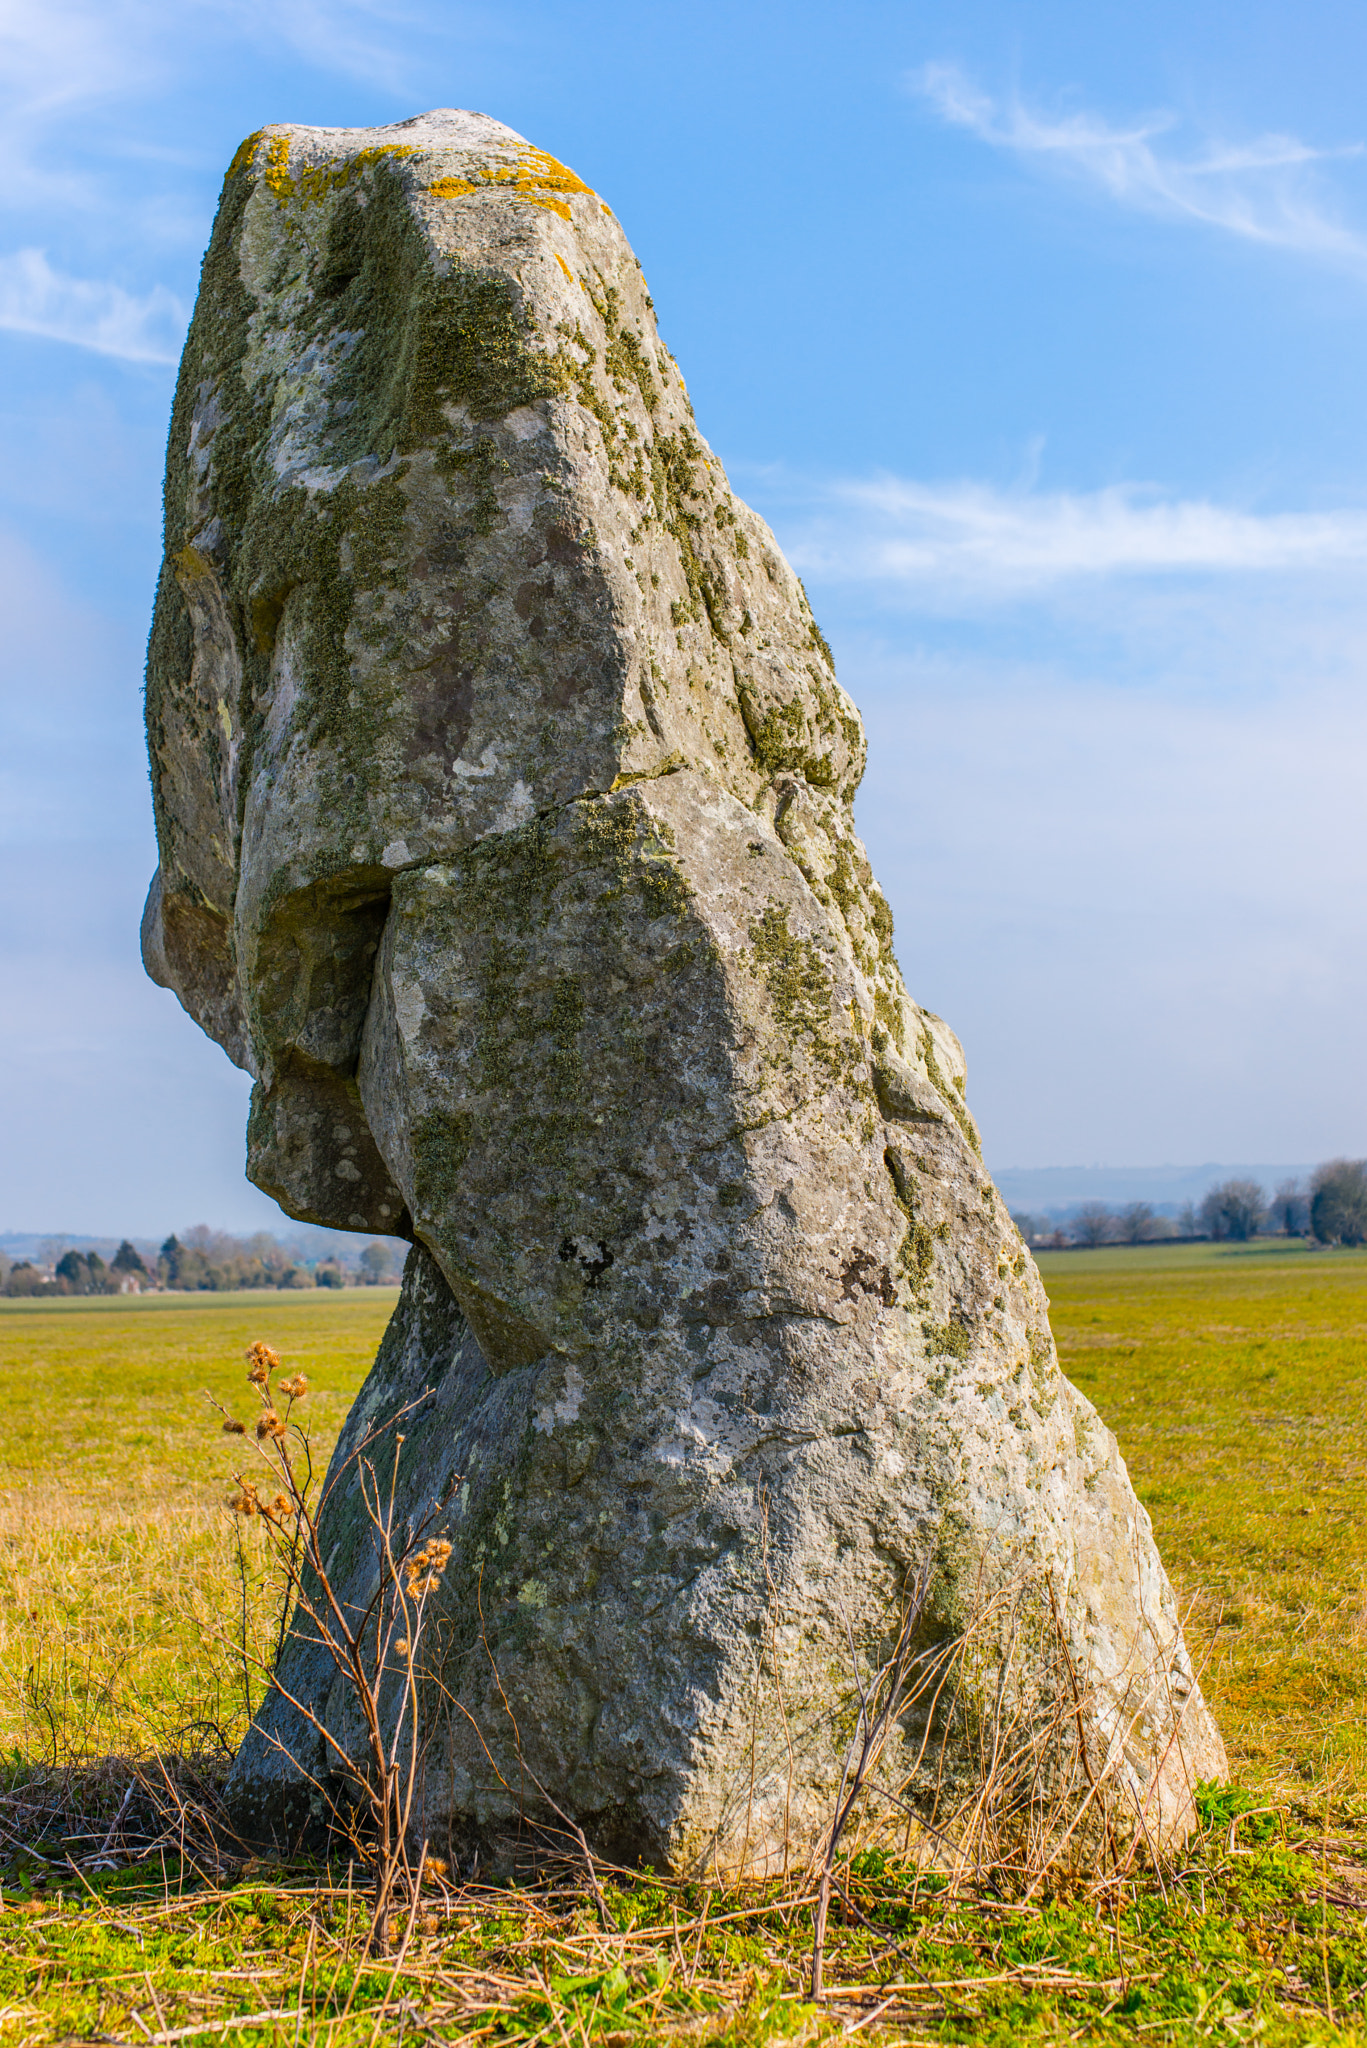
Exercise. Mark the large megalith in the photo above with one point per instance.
(503, 789)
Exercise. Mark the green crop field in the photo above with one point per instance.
(1236, 1382)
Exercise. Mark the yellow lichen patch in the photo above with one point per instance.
(536, 177)
(537, 167)
(523, 190)
(245, 152)
(277, 162)
(320, 179)
(315, 181)
(564, 266)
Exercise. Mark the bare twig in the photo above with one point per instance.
(380, 1642)
(879, 1708)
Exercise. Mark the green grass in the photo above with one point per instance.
(1237, 1384)
(1245, 1941)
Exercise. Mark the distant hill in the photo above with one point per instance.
(1058, 1188)
(301, 1240)
(1044, 1189)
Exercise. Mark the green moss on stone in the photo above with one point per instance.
(946, 1340)
(406, 344)
(926, 1047)
(916, 1252)
(889, 1013)
(800, 988)
(441, 1145)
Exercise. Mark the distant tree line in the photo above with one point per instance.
(202, 1261)
(1331, 1209)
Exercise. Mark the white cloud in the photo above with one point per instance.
(1115, 743)
(36, 299)
(1263, 191)
(965, 539)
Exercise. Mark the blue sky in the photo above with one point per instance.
(1036, 331)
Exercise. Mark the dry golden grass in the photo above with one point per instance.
(1236, 1382)
(119, 1571)
(1238, 1389)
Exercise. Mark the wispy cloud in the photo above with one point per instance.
(60, 55)
(974, 541)
(57, 54)
(71, 70)
(36, 299)
(1264, 191)
(367, 39)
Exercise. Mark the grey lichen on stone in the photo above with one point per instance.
(504, 802)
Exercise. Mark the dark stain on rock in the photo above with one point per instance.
(563, 545)
(441, 700)
(863, 1275)
(592, 1258)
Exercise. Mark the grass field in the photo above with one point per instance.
(1237, 1385)
(119, 1572)
(1236, 1381)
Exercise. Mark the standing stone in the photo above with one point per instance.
(503, 788)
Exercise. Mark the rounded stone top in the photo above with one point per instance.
(459, 128)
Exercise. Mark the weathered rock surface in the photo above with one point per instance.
(504, 790)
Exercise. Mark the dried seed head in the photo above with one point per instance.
(435, 1866)
(401, 1647)
(425, 1567)
(268, 1423)
(244, 1501)
(283, 1505)
(234, 1428)
(261, 1363)
(294, 1389)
